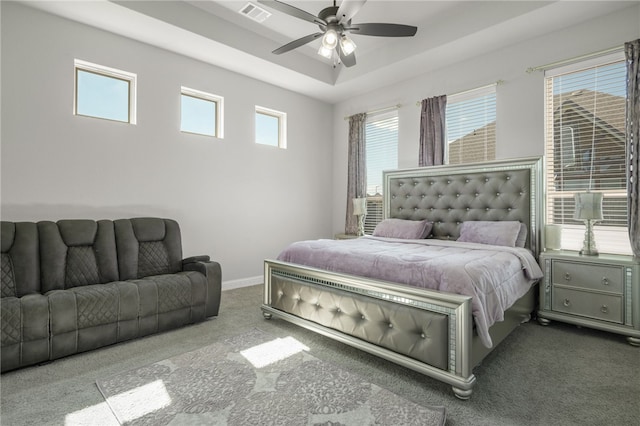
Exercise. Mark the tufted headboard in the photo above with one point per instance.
(450, 195)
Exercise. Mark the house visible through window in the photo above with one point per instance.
(471, 126)
(104, 92)
(381, 136)
(201, 113)
(586, 149)
(271, 127)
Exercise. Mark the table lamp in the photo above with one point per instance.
(360, 210)
(588, 209)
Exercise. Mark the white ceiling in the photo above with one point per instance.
(214, 32)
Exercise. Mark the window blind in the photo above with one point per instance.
(471, 126)
(381, 135)
(585, 149)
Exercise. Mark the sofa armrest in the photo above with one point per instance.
(213, 271)
(201, 258)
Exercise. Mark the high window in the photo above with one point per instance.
(104, 92)
(586, 150)
(381, 136)
(201, 113)
(271, 127)
(471, 126)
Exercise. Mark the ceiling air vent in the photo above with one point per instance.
(254, 12)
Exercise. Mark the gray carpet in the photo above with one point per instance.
(555, 375)
(255, 379)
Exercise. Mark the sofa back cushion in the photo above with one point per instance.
(77, 252)
(20, 258)
(148, 246)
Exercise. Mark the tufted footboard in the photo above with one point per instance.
(427, 331)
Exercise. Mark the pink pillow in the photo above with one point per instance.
(400, 228)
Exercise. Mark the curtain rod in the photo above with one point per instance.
(574, 59)
(418, 103)
(375, 111)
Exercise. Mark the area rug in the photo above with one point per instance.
(256, 379)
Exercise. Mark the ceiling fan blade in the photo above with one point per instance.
(383, 30)
(293, 11)
(347, 9)
(347, 60)
(297, 43)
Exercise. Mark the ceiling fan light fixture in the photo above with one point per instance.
(330, 39)
(323, 51)
(347, 45)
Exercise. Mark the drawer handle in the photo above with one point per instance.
(605, 281)
(604, 309)
(566, 302)
(567, 276)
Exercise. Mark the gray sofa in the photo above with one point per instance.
(76, 285)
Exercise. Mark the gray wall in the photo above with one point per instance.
(520, 98)
(235, 200)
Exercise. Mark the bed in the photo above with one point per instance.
(442, 333)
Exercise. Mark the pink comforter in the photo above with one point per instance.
(494, 276)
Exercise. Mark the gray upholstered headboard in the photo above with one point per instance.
(450, 195)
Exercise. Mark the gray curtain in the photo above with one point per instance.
(632, 53)
(432, 131)
(357, 169)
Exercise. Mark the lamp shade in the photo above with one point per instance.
(359, 206)
(588, 206)
(330, 39)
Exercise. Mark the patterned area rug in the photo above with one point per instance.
(254, 379)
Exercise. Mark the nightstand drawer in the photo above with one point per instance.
(588, 275)
(593, 305)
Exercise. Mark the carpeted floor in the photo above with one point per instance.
(555, 375)
(255, 378)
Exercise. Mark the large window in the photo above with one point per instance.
(471, 126)
(104, 92)
(381, 135)
(586, 149)
(271, 127)
(201, 112)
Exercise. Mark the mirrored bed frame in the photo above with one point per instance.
(433, 332)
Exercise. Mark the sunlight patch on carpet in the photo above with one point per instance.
(271, 352)
(88, 415)
(140, 401)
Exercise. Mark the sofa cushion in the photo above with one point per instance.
(25, 330)
(77, 253)
(172, 300)
(147, 247)
(91, 316)
(20, 260)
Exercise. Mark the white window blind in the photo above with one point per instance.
(471, 126)
(381, 135)
(585, 149)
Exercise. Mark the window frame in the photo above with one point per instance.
(104, 71)
(209, 97)
(471, 95)
(282, 125)
(375, 210)
(615, 238)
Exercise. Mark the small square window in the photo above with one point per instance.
(201, 113)
(104, 92)
(271, 127)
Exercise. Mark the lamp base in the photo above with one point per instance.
(360, 225)
(589, 244)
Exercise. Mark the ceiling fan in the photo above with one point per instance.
(335, 23)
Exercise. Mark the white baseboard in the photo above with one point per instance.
(243, 282)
